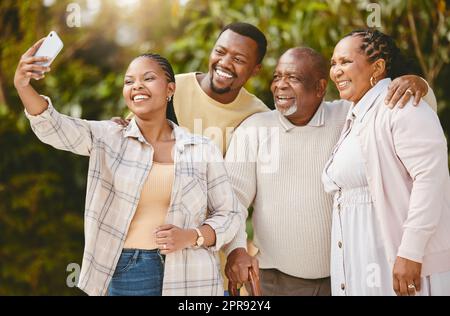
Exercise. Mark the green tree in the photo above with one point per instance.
(42, 189)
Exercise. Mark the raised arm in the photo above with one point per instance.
(27, 70)
(60, 131)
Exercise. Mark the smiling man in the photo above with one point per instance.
(291, 211)
(214, 103)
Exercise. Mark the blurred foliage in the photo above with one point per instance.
(42, 190)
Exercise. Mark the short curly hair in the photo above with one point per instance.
(250, 31)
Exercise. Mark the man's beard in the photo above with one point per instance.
(218, 90)
(291, 110)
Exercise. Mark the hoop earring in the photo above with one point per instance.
(372, 81)
(169, 98)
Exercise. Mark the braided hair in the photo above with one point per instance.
(376, 45)
(170, 75)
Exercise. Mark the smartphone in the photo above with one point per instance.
(50, 47)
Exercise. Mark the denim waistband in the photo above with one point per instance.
(133, 250)
(143, 253)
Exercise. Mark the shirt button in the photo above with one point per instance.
(342, 286)
(340, 244)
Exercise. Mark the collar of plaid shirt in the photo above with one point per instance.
(182, 137)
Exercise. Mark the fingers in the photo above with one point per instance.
(33, 49)
(165, 249)
(411, 288)
(399, 92)
(125, 122)
(237, 272)
(164, 227)
(417, 97)
(35, 76)
(120, 121)
(418, 284)
(163, 240)
(396, 286)
(403, 288)
(35, 68)
(34, 59)
(404, 99)
(243, 274)
(162, 234)
(391, 90)
(233, 276)
(165, 246)
(255, 265)
(29, 69)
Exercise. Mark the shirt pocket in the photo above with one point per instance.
(125, 179)
(194, 198)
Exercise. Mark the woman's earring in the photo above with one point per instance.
(372, 81)
(169, 98)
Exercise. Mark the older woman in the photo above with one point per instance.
(389, 175)
(159, 203)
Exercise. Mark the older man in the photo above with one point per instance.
(275, 161)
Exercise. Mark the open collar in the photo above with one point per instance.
(182, 137)
(360, 109)
(317, 120)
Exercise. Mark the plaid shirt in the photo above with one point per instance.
(119, 163)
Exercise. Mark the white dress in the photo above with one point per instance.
(359, 265)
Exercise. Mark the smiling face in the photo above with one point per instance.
(350, 70)
(296, 86)
(233, 60)
(146, 88)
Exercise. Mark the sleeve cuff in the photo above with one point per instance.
(44, 115)
(413, 245)
(234, 245)
(430, 97)
(219, 236)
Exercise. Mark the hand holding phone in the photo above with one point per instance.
(51, 47)
(36, 60)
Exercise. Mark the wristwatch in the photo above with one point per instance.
(200, 239)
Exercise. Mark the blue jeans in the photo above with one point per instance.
(138, 273)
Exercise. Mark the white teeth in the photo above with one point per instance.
(342, 84)
(283, 98)
(223, 74)
(140, 97)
